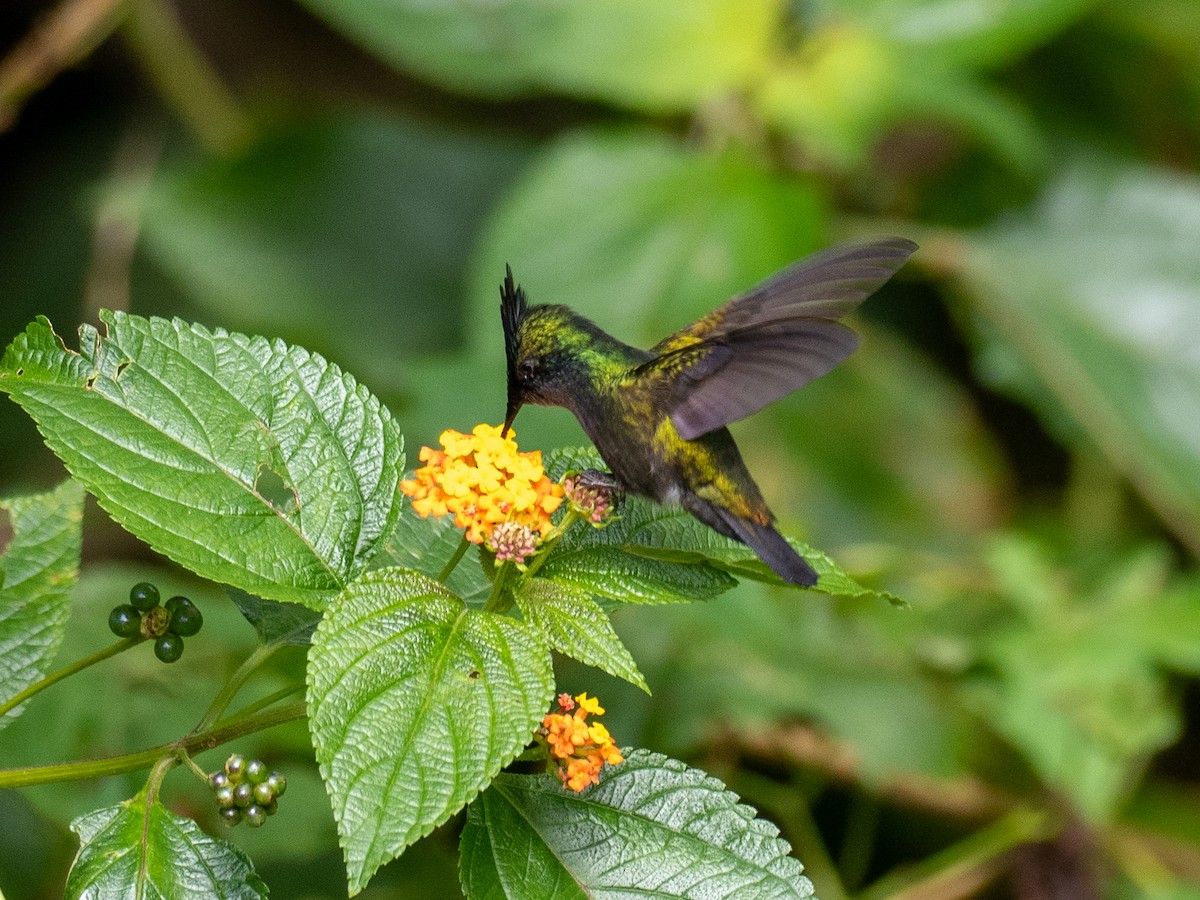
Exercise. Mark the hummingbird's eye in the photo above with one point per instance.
(527, 369)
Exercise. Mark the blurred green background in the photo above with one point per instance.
(1015, 449)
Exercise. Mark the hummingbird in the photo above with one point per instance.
(658, 417)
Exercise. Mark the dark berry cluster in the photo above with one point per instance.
(166, 625)
(246, 790)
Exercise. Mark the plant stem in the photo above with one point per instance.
(182, 756)
(131, 762)
(77, 666)
(497, 602)
(221, 702)
(454, 560)
(550, 540)
(185, 78)
(269, 700)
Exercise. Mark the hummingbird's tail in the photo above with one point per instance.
(771, 546)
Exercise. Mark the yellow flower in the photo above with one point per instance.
(484, 480)
(578, 750)
(589, 704)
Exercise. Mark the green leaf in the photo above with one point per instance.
(652, 828)
(575, 625)
(40, 566)
(250, 462)
(415, 703)
(649, 54)
(142, 850)
(277, 624)
(622, 561)
(960, 32)
(662, 544)
(1090, 300)
(634, 230)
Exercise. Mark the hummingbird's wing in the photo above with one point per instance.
(773, 339)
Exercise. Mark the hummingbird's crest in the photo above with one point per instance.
(512, 314)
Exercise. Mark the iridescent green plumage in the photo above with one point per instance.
(658, 416)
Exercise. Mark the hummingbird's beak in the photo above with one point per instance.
(514, 406)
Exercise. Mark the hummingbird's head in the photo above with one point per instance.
(547, 348)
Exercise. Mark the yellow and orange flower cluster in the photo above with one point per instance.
(577, 748)
(484, 481)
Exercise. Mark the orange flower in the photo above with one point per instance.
(578, 750)
(482, 480)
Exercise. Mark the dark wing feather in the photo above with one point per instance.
(774, 339)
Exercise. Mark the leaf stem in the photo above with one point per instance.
(195, 742)
(221, 702)
(77, 666)
(455, 559)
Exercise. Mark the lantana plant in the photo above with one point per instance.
(429, 683)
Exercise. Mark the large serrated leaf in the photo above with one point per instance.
(250, 462)
(575, 625)
(652, 828)
(427, 546)
(40, 566)
(142, 850)
(415, 703)
(277, 624)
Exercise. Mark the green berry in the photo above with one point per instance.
(231, 815)
(277, 783)
(255, 815)
(225, 798)
(219, 780)
(262, 794)
(272, 807)
(185, 618)
(125, 621)
(144, 596)
(177, 601)
(235, 767)
(256, 771)
(169, 647)
(243, 795)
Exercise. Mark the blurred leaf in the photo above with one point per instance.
(640, 234)
(415, 703)
(343, 235)
(173, 427)
(1076, 685)
(38, 569)
(1092, 296)
(842, 90)
(276, 623)
(961, 32)
(142, 850)
(655, 55)
(760, 656)
(913, 465)
(573, 624)
(652, 828)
